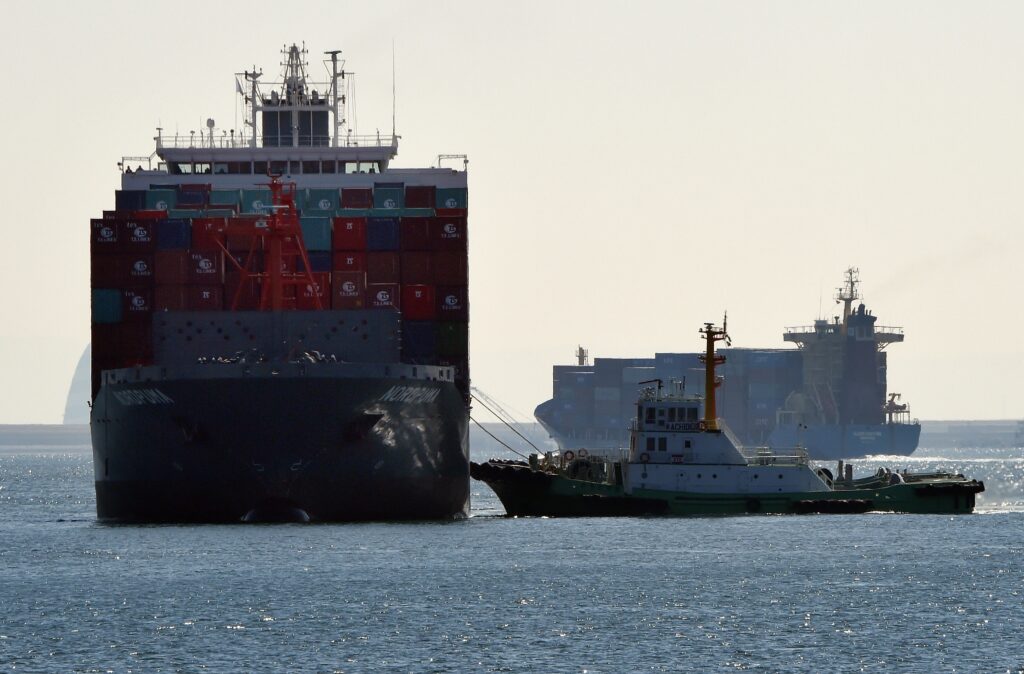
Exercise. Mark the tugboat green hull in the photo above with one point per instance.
(525, 491)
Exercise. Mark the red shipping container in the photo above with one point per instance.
(105, 236)
(450, 212)
(149, 215)
(138, 269)
(171, 267)
(138, 235)
(382, 267)
(448, 233)
(349, 233)
(414, 233)
(206, 267)
(417, 267)
(452, 303)
(420, 196)
(207, 233)
(243, 260)
(115, 215)
(348, 289)
(450, 268)
(122, 344)
(248, 298)
(321, 288)
(383, 296)
(357, 197)
(348, 261)
(106, 271)
(169, 298)
(418, 303)
(137, 303)
(204, 298)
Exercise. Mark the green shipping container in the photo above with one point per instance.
(451, 197)
(312, 213)
(161, 200)
(184, 213)
(225, 197)
(316, 233)
(453, 339)
(417, 212)
(106, 306)
(388, 197)
(352, 212)
(220, 213)
(256, 201)
(321, 200)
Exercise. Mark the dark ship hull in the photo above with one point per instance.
(279, 447)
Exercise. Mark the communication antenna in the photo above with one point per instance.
(582, 356)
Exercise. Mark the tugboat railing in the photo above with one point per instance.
(765, 456)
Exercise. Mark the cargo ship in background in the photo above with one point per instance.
(280, 321)
(828, 395)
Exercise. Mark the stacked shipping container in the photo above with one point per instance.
(386, 247)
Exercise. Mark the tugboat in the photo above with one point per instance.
(681, 464)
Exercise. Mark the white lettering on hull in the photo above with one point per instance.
(410, 394)
(142, 396)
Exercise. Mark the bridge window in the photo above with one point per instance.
(671, 414)
(239, 167)
(362, 167)
(328, 166)
(650, 444)
(311, 167)
(259, 168)
(687, 444)
(202, 167)
(650, 415)
(691, 414)
(279, 167)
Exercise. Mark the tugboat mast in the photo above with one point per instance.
(710, 360)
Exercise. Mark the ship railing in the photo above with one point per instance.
(225, 141)
(766, 456)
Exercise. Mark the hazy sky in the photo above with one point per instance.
(635, 169)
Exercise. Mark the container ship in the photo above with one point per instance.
(280, 321)
(828, 395)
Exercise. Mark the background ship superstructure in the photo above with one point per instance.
(828, 395)
(209, 404)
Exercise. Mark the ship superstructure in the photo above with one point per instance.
(828, 395)
(280, 321)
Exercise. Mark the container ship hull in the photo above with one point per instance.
(830, 443)
(334, 449)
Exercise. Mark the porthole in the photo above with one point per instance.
(780, 476)
(714, 476)
(755, 476)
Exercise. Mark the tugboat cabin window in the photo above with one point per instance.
(650, 444)
(662, 444)
(650, 415)
(691, 414)
(671, 414)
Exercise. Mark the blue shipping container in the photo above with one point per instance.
(382, 234)
(130, 200)
(173, 234)
(419, 340)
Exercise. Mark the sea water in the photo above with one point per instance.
(490, 594)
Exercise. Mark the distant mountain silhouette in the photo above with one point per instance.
(76, 409)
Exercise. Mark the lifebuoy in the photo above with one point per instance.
(645, 457)
(569, 456)
(583, 452)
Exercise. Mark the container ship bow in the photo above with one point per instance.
(280, 323)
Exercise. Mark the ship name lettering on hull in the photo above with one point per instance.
(142, 396)
(410, 394)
